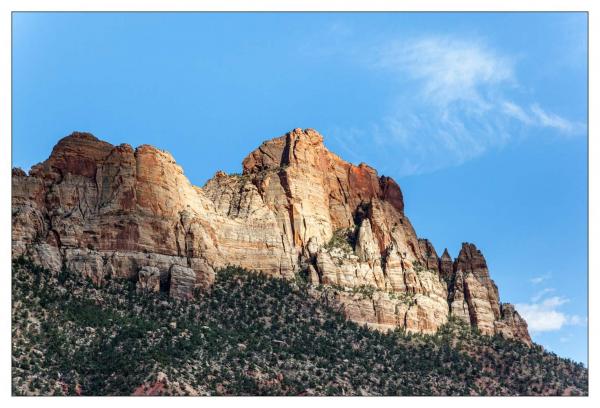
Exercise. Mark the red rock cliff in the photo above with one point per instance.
(107, 210)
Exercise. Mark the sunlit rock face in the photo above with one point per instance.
(296, 208)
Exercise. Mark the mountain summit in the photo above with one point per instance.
(297, 211)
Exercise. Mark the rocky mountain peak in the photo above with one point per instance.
(105, 210)
(446, 266)
(78, 154)
(470, 259)
(285, 150)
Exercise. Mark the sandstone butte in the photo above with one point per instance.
(114, 211)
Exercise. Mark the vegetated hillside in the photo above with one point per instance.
(252, 335)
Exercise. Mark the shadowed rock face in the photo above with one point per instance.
(148, 279)
(474, 297)
(446, 266)
(109, 210)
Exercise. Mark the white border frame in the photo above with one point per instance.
(8, 6)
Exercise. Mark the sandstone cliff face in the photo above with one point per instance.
(109, 210)
(474, 297)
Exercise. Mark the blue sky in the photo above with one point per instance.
(480, 117)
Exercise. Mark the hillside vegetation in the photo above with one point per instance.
(251, 335)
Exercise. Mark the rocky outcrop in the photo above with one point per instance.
(111, 211)
(148, 279)
(366, 248)
(430, 257)
(474, 295)
(474, 298)
(446, 266)
(512, 325)
(182, 283)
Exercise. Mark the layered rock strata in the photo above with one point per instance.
(297, 208)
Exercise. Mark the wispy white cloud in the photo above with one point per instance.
(536, 116)
(452, 70)
(541, 294)
(552, 120)
(544, 315)
(577, 320)
(515, 111)
(543, 312)
(539, 279)
(452, 103)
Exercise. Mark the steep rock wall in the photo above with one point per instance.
(109, 210)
